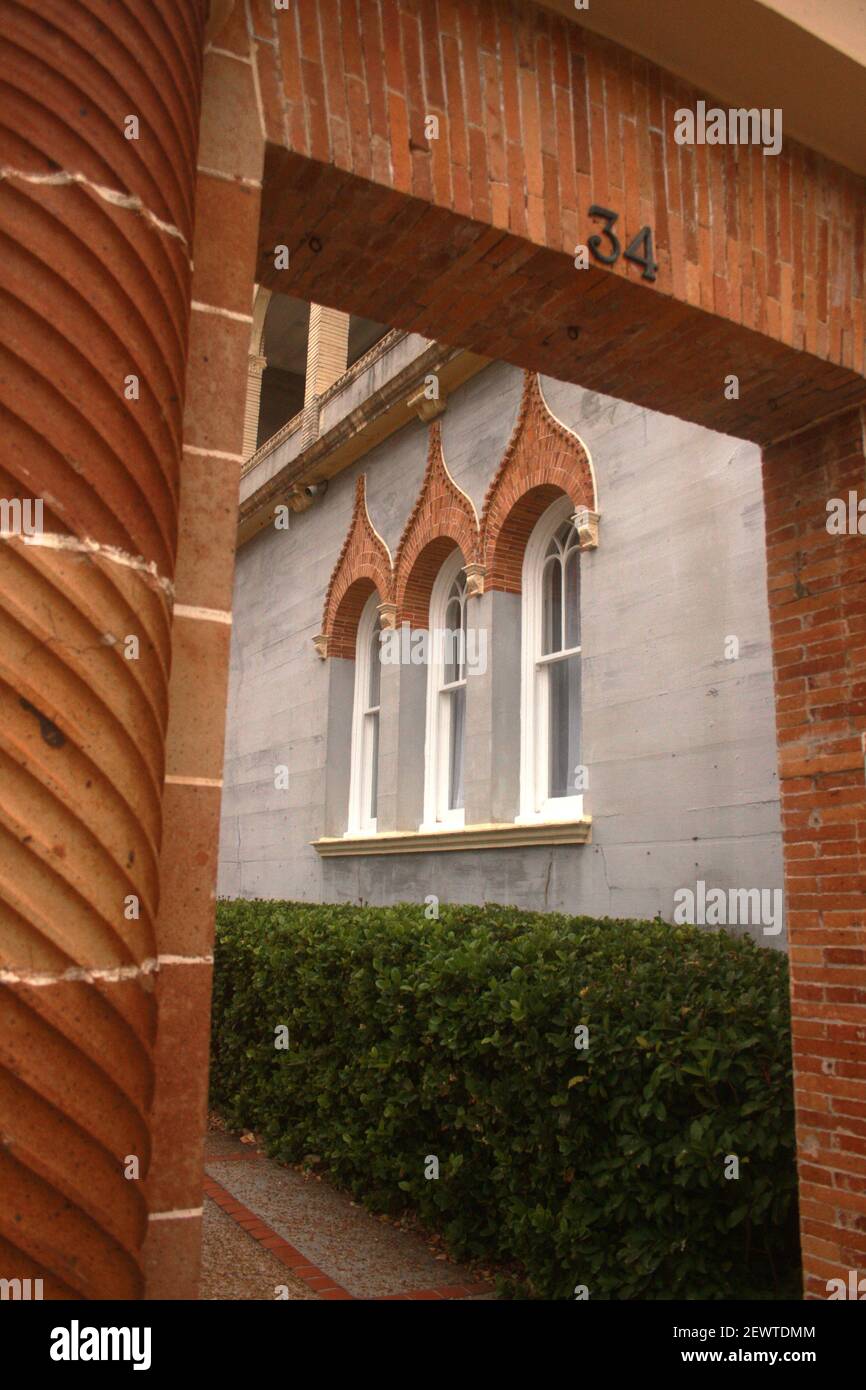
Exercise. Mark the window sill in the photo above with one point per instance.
(553, 812)
(465, 837)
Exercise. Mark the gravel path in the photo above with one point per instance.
(268, 1227)
(235, 1266)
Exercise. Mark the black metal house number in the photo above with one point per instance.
(639, 249)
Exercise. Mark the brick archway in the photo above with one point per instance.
(470, 237)
(443, 517)
(543, 461)
(364, 565)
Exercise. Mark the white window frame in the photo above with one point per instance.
(535, 802)
(363, 744)
(437, 739)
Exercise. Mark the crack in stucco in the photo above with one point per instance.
(607, 883)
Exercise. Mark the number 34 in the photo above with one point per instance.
(639, 249)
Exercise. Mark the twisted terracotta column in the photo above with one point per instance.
(97, 165)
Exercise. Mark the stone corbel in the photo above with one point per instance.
(320, 642)
(586, 525)
(425, 408)
(475, 574)
(299, 500)
(387, 616)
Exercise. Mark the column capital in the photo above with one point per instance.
(475, 574)
(585, 523)
(387, 616)
(299, 500)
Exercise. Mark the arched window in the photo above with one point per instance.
(550, 780)
(363, 778)
(446, 697)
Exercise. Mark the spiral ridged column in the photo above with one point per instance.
(96, 216)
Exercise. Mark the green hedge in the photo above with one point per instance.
(455, 1037)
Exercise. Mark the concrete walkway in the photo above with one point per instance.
(277, 1232)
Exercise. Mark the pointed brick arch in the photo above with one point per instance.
(543, 461)
(364, 565)
(443, 517)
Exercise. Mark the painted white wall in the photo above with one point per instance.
(680, 742)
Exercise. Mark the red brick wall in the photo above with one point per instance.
(817, 590)
(540, 118)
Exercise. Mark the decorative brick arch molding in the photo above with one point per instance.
(364, 566)
(443, 517)
(544, 460)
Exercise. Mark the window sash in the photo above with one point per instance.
(551, 562)
(561, 735)
(452, 731)
(364, 751)
(445, 737)
(557, 656)
(370, 768)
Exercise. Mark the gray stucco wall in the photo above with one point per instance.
(679, 741)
